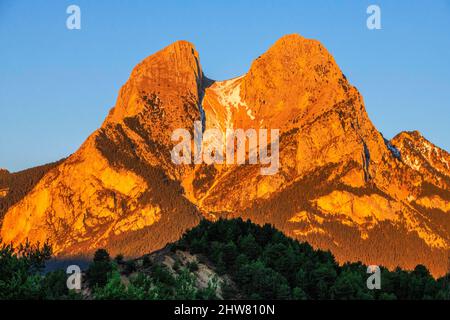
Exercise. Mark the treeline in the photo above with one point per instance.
(250, 262)
(21, 274)
(265, 264)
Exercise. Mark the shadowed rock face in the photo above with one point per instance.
(340, 185)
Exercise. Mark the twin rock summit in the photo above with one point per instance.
(340, 185)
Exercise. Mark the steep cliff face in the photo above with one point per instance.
(295, 87)
(118, 190)
(340, 184)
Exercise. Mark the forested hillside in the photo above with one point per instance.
(227, 259)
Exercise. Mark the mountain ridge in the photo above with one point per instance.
(340, 184)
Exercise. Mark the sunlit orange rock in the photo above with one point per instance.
(341, 185)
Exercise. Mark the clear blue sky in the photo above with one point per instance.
(57, 85)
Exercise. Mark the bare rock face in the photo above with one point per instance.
(340, 184)
(117, 190)
(15, 186)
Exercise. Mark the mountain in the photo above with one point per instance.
(340, 184)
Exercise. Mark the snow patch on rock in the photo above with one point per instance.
(229, 95)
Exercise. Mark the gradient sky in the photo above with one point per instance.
(57, 85)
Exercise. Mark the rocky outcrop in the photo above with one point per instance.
(340, 184)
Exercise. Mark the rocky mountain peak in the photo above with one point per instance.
(340, 184)
(296, 79)
(421, 154)
(169, 75)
